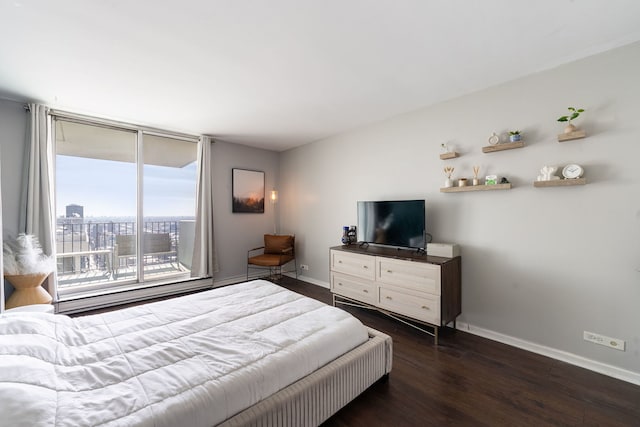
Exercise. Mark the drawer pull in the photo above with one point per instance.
(388, 297)
(365, 267)
(425, 307)
(389, 271)
(339, 283)
(365, 291)
(339, 261)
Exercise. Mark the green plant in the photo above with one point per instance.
(575, 113)
(514, 132)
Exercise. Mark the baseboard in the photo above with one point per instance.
(79, 304)
(573, 359)
(232, 280)
(309, 280)
(243, 278)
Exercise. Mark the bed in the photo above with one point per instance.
(247, 354)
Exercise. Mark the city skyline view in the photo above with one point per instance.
(107, 188)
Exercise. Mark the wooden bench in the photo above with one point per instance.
(155, 244)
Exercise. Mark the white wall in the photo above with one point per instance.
(13, 125)
(539, 264)
(235, 233)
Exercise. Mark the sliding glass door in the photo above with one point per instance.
(124, 199)
(169, 200)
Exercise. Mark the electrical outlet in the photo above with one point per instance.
(304, 267)
(616, 343)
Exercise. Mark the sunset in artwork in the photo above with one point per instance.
(248, 191)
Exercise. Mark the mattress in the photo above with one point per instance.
(193, 361)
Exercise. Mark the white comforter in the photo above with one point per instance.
(190, 361)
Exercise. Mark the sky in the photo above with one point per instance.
(248, 184)
(108, 188)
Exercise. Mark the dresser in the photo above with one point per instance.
(409, 286)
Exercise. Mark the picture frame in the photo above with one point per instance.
(247, 193)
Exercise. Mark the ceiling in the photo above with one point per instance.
(281, 73)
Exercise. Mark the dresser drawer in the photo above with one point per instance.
(361, 266)
(410, 275)
(422, 307)
(353, 287)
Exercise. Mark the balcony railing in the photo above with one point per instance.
(91, 252)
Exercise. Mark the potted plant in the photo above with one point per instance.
(514, 136)
(574, 114)
(26, 267)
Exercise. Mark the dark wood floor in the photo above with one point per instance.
(472, 381)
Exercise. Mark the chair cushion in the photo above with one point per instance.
(270, 260)
(277, 244)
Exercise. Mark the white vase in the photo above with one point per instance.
(448, 183)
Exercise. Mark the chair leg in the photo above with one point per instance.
(295, 264)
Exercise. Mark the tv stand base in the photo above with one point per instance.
(416, 324)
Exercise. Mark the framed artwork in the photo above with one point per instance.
(247, 191)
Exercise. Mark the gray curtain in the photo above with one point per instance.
(37, 200)
(205, 261)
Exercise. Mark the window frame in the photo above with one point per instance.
(138, 283)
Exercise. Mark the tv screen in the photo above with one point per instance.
(395, 223)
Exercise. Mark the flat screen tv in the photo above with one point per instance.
(399, 223)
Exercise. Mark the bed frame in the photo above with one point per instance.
(316, 397)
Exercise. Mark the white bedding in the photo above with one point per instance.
(191, 361)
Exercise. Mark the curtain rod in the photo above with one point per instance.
(115, 124)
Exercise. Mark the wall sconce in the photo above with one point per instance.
(274, 200)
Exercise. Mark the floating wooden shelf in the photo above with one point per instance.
(571, 135)
(476, 188)
(501, 147)
(560, 182)
(450, 155)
